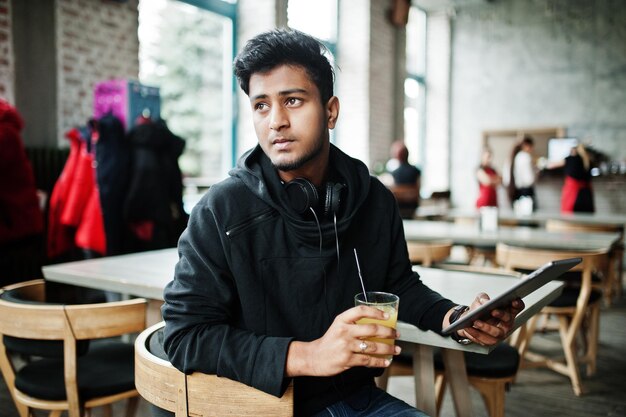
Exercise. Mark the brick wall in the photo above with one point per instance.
(366, 80)
(96, 40)
(382, 81)
(351, 85)
(6, 52)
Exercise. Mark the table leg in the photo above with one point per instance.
(454, 362)
(424, 374)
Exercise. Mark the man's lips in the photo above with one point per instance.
(280, 140)
(282, 143)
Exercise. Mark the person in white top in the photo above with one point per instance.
(522, 173)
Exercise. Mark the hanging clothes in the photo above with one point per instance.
(153, 207)
(75, 215)
(113, 163)
(21, 219)
(20, 215)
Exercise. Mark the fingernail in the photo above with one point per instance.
(387, 362)
(398, 349)
(397, 334)
(386, 315)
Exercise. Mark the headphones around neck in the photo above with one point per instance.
(304, 196)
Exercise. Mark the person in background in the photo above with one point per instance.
(521, 172)
(576, 194)
(488, 181)
(263, 292)
(406, 179)
(21, 218)
(404, 173)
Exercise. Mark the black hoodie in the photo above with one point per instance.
(251, 278)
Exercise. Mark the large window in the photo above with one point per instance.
(317, 18)
(415, 86)
(186, 49)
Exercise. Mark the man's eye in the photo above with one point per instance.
(292, 101)
(260, 106)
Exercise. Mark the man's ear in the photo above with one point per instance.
(332, 111)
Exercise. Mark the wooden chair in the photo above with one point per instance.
(479, 255)
(428, 253)
(408, 197)
(577, 310)
(199, 394)
(612, 285)
(73, 374)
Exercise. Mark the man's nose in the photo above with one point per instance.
(278, 118)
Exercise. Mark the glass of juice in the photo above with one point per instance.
(383, 301)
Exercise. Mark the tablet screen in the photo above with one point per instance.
(525, 286)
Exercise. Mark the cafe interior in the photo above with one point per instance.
(117, 116)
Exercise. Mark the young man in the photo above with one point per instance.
(264, 289)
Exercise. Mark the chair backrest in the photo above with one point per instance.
(514, 257)
(427, 253)
(32, 318)
(405, 193)
(199, 394)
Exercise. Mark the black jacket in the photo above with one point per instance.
(251, 278)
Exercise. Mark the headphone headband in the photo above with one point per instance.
(304, 196)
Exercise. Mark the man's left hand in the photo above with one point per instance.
(497, 327)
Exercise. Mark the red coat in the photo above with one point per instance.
(20, 215)
(75, 216)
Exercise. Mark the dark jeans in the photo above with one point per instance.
(376, 403)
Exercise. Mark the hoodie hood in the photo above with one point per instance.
(256, 171)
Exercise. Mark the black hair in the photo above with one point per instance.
(276, 47)
(527, 140)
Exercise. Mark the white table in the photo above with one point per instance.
(541, 217)
(145, 274)
(463, 234)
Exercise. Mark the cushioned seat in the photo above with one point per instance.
(569, 296)
(107, 369)
(502, 362)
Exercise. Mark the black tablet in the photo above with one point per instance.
(525, 286)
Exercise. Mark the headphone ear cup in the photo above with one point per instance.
(333, 199)
(302, 194)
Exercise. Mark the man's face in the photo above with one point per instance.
(290, 121)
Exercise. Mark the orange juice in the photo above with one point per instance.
(390, 322)
(385, 302)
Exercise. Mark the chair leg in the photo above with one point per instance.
(524, 342)
(55, 413)
(591, 353)
(131, 406)
(571, 359)
(493, 392)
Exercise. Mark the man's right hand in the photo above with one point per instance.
(341, 346)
